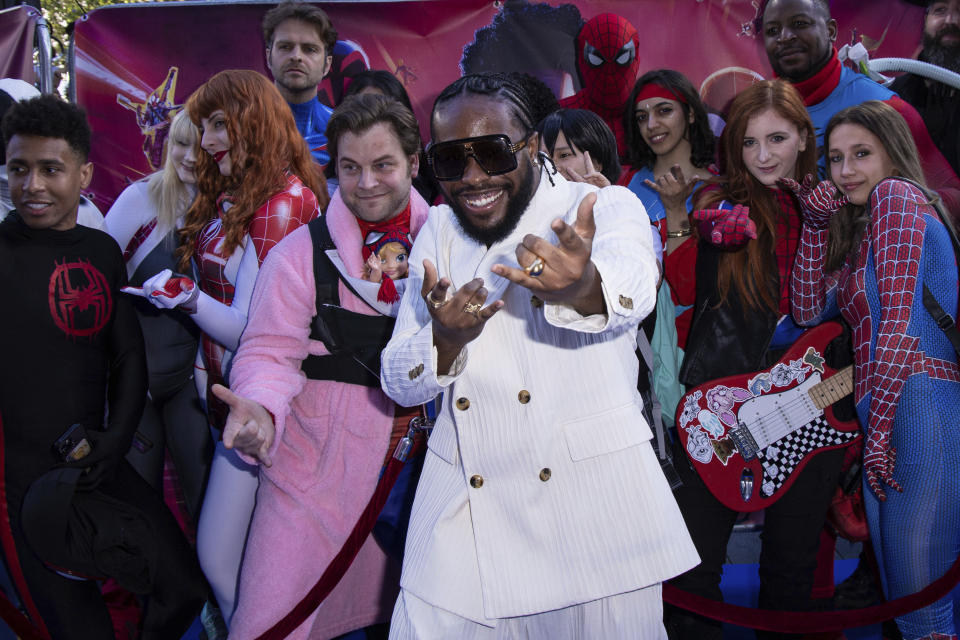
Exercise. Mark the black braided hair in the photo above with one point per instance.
(498, 85)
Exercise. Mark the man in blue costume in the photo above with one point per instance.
(300, 39)
(799, 36)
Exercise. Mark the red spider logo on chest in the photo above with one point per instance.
(79, 298)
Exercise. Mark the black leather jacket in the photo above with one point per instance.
(725, 340)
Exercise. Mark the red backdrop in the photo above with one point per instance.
(124, 53)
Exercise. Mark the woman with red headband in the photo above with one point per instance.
(670, 146)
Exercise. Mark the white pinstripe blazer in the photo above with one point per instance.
(573, 505)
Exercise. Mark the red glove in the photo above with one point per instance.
(167, 292)
(819, 203)
(726, 228)
(878, 462)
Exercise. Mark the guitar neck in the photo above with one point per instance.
(834, 388)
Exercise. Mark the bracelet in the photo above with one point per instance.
(683, 233)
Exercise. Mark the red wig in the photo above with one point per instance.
(265, 145)
(748, 269)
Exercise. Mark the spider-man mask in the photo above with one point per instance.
(608, 59)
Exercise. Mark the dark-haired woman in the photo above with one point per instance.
(670, 148)
(879, 256)
(581, 145)
(742, 324)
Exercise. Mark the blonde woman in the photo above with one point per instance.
(144, 221)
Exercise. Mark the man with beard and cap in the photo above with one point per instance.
(300, 40)
(798, 36)
(607, 57)
(533, 514)
(937, 103)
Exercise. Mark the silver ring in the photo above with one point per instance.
(535, 268)
(434, 304)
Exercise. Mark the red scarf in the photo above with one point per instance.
(816, 89)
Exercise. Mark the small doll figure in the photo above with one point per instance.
(386, 253)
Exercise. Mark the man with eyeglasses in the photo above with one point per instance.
(541, 511)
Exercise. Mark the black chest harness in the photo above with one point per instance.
(353, 339)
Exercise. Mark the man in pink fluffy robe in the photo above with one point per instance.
(320, 443)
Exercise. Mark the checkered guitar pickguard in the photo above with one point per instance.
(748, 435)
(780, 459)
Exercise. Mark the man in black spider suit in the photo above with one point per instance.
(73, 355)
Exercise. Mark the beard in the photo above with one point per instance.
(516, 205)
(942, 56)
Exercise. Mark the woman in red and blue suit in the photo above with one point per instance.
(877, 255)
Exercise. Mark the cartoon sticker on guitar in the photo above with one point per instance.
(747, 435)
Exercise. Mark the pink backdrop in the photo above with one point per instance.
(16, 43)
(125, 53)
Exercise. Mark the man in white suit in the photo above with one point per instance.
(542, 511)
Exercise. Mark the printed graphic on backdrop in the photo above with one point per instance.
(153, 117)
(126, 53)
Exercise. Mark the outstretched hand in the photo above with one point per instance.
(372, 271)
(458, 318)
(164, 291)
(726, 228)
(817, 203)
(673, 187)
(568, 275)
(249, 429)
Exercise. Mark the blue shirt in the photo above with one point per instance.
(311, 118)
(852, 89)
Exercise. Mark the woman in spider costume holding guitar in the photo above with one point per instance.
(749, 231)
(880, 256)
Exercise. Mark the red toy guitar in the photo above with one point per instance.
(748, 434)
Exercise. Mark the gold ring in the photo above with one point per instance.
(535, 268)
(473, 308)
(434, 304)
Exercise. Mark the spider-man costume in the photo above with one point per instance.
(73, 353)
(608, 63)
(907, 387)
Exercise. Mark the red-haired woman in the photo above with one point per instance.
(742, 324)
(256, 183)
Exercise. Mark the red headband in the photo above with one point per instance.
(654, 90)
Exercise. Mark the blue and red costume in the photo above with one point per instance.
(907, 386)
(607, 60)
